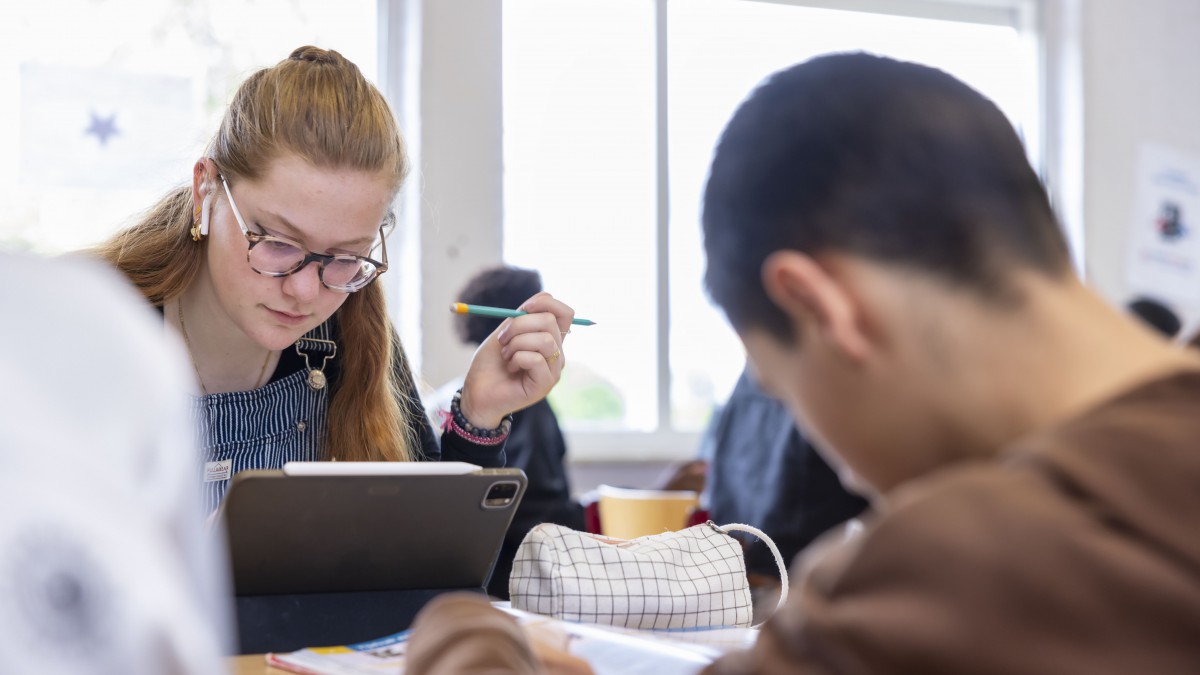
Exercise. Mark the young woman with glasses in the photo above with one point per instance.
(265, 264)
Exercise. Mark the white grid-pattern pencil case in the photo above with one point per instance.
(693, 578)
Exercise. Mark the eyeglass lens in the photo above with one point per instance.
(276, 256)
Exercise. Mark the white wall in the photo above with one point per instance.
(1141, 83)
(461, 165)
(441, 70)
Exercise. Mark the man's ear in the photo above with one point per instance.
(805, 290)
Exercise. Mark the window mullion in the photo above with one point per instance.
(662, 219)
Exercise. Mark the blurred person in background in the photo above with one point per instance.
(105, 563)
(764, 472)
(1156, 315)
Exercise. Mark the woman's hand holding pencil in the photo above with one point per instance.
(520, 362)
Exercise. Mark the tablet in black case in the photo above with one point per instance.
(332, 559)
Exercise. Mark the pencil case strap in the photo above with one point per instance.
(783, 575)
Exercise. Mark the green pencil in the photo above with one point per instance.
(499, 313)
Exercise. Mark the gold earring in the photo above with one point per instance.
(196, 225)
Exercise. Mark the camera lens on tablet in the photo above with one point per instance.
(501, 494)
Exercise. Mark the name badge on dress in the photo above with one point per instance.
(215, 471)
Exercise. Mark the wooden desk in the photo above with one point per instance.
(253, 664)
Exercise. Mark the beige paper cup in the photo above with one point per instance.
(628, 514)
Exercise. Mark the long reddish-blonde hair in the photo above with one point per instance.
(317, 105)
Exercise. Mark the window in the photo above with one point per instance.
(579, 192)
(107, 103)
(612, 109)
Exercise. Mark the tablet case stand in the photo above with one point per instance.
(284, 623)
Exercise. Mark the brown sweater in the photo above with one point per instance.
(1076, 551)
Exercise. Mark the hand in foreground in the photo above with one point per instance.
(519, 364)
(461, 633)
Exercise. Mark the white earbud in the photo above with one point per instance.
(205, 208)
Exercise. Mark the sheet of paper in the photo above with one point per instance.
(1164, 234)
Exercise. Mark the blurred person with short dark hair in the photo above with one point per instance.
(1156, 315)
(876, 236)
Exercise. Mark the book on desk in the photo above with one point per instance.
(607, 649)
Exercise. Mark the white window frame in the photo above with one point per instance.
(420, 38)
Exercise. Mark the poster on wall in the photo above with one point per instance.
(1164, 236)
(105, 128)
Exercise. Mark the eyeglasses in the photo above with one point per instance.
(274, 256)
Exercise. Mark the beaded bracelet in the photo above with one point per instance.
(459, 424)
(471, 438)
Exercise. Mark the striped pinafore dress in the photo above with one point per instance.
(282, 421)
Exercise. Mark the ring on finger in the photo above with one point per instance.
(565, 332)
(554, 357)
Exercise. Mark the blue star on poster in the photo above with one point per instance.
(102, 127)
